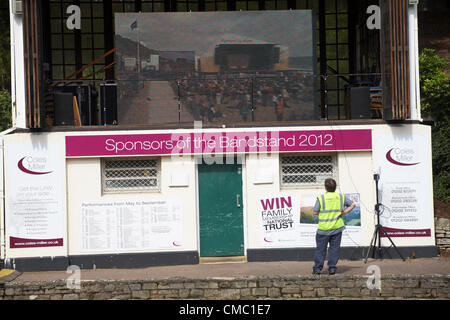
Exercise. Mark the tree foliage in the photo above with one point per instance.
(441, 160)
(5, 70)
(435, 86)
(435, 96)
(5, 50)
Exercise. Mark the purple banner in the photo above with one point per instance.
(393, 232)
(15, 242)
(218, 142)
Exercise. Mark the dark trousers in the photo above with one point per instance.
(321, 251)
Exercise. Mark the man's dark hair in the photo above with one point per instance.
(330, 185)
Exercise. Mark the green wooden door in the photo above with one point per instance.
(221, 210)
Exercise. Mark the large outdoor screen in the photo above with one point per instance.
(220, 67)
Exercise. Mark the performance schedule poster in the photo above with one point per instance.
(131, 225)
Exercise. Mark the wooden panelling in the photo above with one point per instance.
(31, 22)
(396, 103)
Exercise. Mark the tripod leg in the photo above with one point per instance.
(372, 244)
(379, 249)
(392, 242)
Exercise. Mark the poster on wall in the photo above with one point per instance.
(288, 220)
(279, 220)
(34, 196)
(405, 184)
(351, 235)
(131, 225)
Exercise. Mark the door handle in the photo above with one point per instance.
(238, 203)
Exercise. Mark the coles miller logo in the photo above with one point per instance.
(32, 165)
(401, 157)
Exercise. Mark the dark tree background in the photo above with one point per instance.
(5, 67)
(435, 104)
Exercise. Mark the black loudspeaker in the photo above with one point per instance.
(108, 104)
(64, 109)
(360, 103)
(86, 99)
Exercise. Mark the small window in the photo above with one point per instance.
(307, 170)
(128, 175)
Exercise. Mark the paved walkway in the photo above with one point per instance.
(439, 265)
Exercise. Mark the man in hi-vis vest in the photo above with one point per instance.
(330, 207)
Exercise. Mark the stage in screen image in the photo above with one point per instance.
(222, 67)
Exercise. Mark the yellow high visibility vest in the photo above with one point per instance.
(331, 206)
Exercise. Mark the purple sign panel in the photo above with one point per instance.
(218, 142)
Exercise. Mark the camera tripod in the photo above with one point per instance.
(377, 249)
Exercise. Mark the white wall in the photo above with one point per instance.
(254, 191)
(80, 182)
(356, 176)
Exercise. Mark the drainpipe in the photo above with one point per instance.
(414, 61)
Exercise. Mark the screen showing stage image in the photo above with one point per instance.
(221, 67)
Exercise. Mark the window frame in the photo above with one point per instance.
(154, 189)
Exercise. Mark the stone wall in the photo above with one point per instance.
(263, 287)
(442, 232)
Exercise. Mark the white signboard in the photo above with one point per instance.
(405, 184)
(288, 220)
(279, 220)
(131, 225)
(34, 195)
(351, 236)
